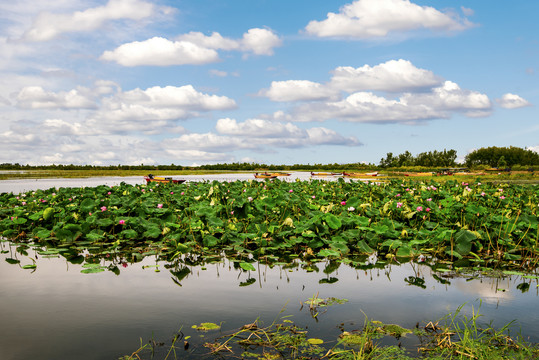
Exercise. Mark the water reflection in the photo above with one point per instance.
(23, 185)
(54, 311)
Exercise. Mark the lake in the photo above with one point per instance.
(56, 312)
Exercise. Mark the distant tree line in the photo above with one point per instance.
(226, 166)
(502, 157)
(425, 159)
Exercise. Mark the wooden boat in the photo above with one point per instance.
(325, 174)
(359, 175)
(165, 180)
(265, 176)
(280, 174)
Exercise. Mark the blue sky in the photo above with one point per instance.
(276, 82)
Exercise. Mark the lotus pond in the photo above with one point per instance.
(87, 271)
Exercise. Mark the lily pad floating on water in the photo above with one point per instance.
(207, 326)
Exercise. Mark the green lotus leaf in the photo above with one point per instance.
(333, 221)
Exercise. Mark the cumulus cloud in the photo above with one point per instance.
(47, 26)
(253, 135)
(512, 101)
(35, 97)
(159, 51)
(258, 128)
(192, 48)
(416, 95)
(260, 41)
(155, 109)
(450, 97)
(441, 102)
(265, 132)
(298, 90)
(393, 75)
(367, 19)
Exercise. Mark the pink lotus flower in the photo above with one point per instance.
(109, 193)
(182, 193)
(159, 206)
(427, 209)
(290, 191)
(399, 204)
(398, 195)
(429, 199)
(343, 203)
(121, 222)
(502, 197)
(483, 193)
(314, 197)
(419, 208)
(172, 193)
(103, 208)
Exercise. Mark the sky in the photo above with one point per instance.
(108, 82)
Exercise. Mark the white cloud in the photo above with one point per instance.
(533, 148)
(394, 75)
(441, 102)
(298, 90)
(47, 26)
(159, 51)
(260, 41)
(265, 132)
(258, 128)
(155, 109)
(366, 19)
(64, 128)
(35, 97)
(324, 136)
(218, 73)
(191, 48)
(512, 101)
(450, 97)
(215, 41)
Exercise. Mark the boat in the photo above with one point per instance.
(265, 176)
(325, 174)
(165, 180)
(280, 174)
(358, 175)
(419, 174)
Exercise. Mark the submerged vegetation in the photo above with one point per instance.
(455, 336)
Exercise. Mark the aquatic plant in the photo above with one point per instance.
(467, 224)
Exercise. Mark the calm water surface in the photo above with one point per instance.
(57, 312)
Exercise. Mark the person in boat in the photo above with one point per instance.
(150, 176)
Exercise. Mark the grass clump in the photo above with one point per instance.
(455, 336)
